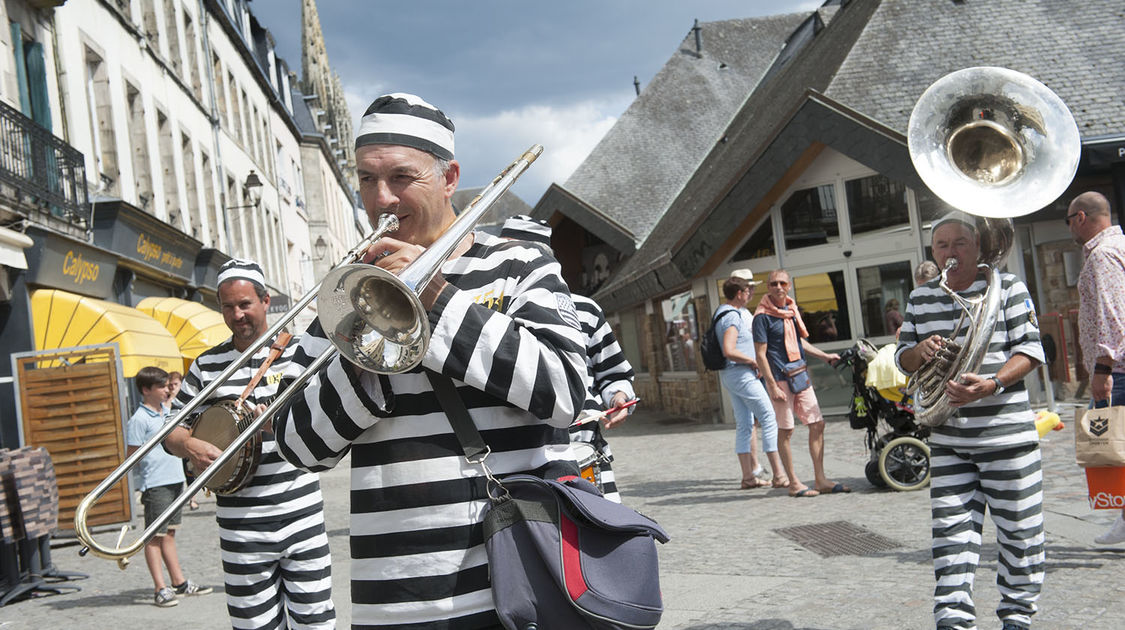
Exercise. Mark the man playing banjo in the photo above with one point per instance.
(275, 548)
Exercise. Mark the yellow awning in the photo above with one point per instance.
(815, 293)
(65, 320)
(195, 327)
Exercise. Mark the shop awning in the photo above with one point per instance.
(815, 293)
(66, 320)
(195, 327)
(12, 244)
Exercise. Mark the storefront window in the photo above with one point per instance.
(680, 332)
(630, 338)
(809, 217)
(883, 290)
(759, 245)
(876, 203)
(823, 303)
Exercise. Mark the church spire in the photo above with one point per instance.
(319, 81)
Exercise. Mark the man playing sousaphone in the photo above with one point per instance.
(275, 548)
(987, 453)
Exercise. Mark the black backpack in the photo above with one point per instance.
(711, 347)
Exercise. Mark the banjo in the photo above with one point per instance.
(222, 423)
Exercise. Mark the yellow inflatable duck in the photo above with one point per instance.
(1048, 421)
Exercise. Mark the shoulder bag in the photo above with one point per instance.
(560, 555)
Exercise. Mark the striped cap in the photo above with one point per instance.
(406, 120)
(525, 228)
(236, 269)
(955, 217)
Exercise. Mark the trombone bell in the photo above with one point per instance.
(373, 318)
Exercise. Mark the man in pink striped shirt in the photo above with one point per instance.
(1101, 310)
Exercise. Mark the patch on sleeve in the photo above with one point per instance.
(567, 311)
(1031, 312)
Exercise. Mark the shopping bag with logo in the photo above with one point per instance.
(1099, 436)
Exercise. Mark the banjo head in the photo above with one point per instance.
(221, 425)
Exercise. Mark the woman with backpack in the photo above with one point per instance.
(732, 325)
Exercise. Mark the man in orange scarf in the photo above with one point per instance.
(780, 341)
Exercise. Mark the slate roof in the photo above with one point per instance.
(506, 206)
(1075, 48)
(873, 61)
(639, 166)
(302, 116)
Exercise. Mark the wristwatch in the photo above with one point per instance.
(999, 386)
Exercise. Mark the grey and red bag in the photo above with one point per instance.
(562, 556)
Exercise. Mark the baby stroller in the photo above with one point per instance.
(900, 456)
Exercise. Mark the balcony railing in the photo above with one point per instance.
(48, 173)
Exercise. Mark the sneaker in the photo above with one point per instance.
(166, 597)
(1012, 626)
(191, 588)
(1116, 534)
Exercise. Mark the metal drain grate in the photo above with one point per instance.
(837, 538)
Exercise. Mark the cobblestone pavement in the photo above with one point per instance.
(726, 568)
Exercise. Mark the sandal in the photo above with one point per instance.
(780, 482)
(755, 483)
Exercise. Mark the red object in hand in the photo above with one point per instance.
(593, 417)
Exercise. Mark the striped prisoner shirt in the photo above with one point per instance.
(609, 368)
(506, 333)
(278, 489)
(610, 373)
(279, 514)
(993, 421)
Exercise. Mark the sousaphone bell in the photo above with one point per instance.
(996, 144)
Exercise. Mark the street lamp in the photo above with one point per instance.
(253, 188)
(251, 193)
(321, 249)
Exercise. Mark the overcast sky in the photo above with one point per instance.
(509, 73)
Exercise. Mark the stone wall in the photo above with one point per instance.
(695, 397)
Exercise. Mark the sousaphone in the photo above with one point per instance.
(996, 144)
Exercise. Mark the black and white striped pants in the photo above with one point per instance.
(1009, 482)
(283, 568)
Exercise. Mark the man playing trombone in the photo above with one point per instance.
(274, 544)
(504, 331)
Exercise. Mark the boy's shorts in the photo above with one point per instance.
(156, 500)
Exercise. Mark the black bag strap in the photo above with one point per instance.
(472, 442)
(715, 319)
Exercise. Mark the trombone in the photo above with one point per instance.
(372, 317)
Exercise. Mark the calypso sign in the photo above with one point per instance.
(79, 269)
(151, 251)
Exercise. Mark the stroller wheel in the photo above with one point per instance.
(904, 463)
(871, 471)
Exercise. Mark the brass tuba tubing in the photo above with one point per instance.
(387, 223)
